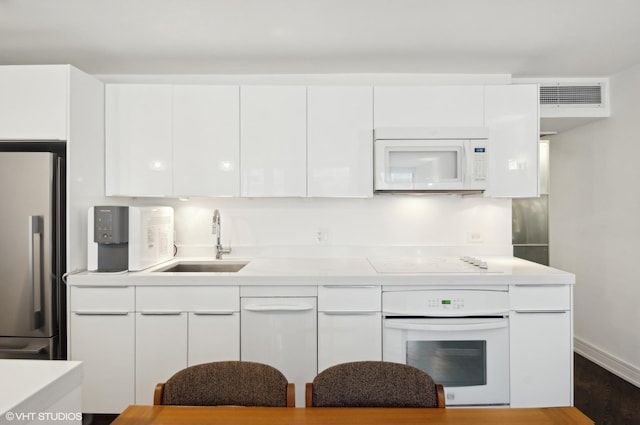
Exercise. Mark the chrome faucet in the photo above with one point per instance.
(216, 230)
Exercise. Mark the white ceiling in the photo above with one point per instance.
(520, 37)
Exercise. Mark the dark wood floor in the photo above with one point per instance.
(604, 397)
(97, 419)
(599, 394)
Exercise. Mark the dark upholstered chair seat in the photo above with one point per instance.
(231, 383)
(374, 384)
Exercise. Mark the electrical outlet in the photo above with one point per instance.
(322, 235)
(474, 237)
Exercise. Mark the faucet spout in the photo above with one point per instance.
(216, 229)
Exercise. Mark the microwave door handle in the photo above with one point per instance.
(465, 166)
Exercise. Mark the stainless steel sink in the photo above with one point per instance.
(205, 267)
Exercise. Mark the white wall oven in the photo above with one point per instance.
(459, 337)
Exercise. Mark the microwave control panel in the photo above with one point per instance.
(479, 160)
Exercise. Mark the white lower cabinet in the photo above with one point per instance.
(541, 359)
(281, 332)
(182, 326)
(161, 350)
(541, 349)
(349, 324)
(130, 339)
(167, 342)
(348, 337)
(102, 336)
(213, 336)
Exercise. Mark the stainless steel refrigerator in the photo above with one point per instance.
(32, 257)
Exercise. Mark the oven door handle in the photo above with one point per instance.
(445, 328)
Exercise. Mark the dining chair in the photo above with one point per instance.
(227, 383)
(373, 384)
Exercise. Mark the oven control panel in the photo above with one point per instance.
(445, 303)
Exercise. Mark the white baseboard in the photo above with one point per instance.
(618, 367)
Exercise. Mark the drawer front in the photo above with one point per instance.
(188, 298)
(540, 297)
(102, 299)
(349, 298)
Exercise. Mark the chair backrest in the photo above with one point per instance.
(373, 384)
(229, 383)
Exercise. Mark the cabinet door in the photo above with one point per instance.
(206, 141)
(138, 140)
(161, 350)
(348, 337)
(511, 113)
(273, 141)
(213, 337)
(33, 102)
(429, 106)
(541, 359)
(104, 342)
(282, 332)
(340, 141)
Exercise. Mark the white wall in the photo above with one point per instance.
(290, 226)
(595, 227)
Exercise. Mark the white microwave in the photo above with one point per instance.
(431, 159)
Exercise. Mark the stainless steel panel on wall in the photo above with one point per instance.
(530, 229)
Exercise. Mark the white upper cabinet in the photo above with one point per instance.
(340, 141)
(296, 141)
(273, 148)
(139, 140)
(165, 140)
(206, 141)
(511, 113)
(33, 102)
(429, 106)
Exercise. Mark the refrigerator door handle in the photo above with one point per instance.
(36, 224)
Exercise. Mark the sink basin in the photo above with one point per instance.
(205, 267)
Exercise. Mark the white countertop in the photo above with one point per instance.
(399, 270)
(31, 386)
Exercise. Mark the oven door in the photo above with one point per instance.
(468, 356)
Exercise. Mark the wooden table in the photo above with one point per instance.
(170, 415)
